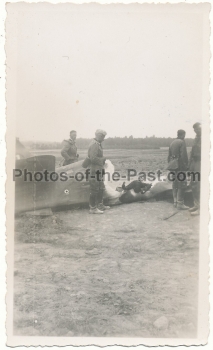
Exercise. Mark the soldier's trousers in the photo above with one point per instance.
(178, 188)
(195, 182)
(96, 192)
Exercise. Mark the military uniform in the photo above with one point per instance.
(137, 186)
(69, 152)
(195, 166)
(95, 154)
(178, 150)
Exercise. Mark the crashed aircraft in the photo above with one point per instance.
(33, 195)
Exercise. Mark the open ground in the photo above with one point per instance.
(114, 274)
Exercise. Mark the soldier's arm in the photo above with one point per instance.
(145, 188)
(183, 155)
(64, 151)
(129, 186)
(93, 155)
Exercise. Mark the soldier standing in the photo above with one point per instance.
(195, 167)
(69, 150)
(178, 163)
(95, 154)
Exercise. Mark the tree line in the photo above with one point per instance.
(114, 142)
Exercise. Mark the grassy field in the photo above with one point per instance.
(146, 160)
(113, 275)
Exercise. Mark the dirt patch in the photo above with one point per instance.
(110, 275)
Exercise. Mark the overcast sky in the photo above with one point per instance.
(129, 69)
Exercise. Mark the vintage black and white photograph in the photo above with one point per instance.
(107, 173)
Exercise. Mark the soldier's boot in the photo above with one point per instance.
(95, 210)
(195, 213)
(92, 204)
(180, 200)
(100, 204)
(196, 196)
(92, 200)
(193, 209)
(181, 206)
